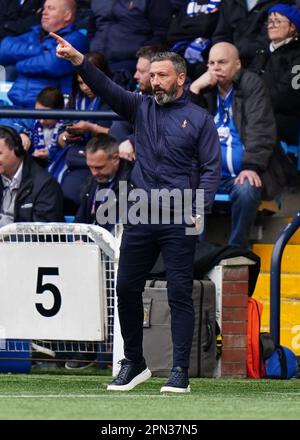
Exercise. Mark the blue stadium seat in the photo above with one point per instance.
(69, 218)
(4, 89)
(222, 198)
(294, 149)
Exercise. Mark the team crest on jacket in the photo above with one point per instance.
(184, 124)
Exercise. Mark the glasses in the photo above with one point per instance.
(276, 22)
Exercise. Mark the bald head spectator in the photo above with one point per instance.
(246, 126)
(34, 53)
(242, 23)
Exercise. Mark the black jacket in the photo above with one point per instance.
(275, 69)
(186, 27)
(252, 115)
(255, 122)
(39, 198)
(84, 213)
(246, 30)
(16, 19)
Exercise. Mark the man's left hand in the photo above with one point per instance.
(252, 177)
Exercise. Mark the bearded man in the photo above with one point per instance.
(174, 140)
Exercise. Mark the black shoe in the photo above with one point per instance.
(178, 381)
(130, 375)
(78, 365)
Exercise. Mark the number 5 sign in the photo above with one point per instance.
(52, 291)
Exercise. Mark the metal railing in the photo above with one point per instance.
(57, 114)
(275, 281)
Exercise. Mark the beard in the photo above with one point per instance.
(163, 97)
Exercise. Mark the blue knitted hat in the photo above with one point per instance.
(291, 12)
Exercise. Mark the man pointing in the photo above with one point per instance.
(177, 147)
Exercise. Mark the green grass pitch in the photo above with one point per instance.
(84, 397)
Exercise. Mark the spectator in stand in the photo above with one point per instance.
(27, 192)
(33, 53)
(275, 67)
(122, 26)
(243, 115)
(17, 16)
(190, 33)
(42, 134)
(70, 167)
(84, 15)
(241, 22)
(107, 170)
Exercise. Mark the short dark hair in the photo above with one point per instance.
(177, 61)
(100, 61)
(12, 140)
(51, 97)
(102, 141)
(149, 51)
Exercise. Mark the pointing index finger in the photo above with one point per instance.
(56, 37)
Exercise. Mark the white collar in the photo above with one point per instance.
(274, 46)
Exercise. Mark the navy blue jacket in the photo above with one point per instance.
(123, 26)
(171, 141)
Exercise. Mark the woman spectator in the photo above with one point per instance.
(275, 66)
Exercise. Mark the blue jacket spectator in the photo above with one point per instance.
(123, 26)
(34, 55)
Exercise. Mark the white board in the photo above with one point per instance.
(51, 291)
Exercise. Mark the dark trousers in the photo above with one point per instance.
(140, 247)
(245, 201)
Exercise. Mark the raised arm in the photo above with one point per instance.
(121, 101)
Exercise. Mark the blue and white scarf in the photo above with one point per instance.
(37, 136)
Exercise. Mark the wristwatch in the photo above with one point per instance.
(197, 219)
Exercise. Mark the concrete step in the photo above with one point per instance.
(272, 227)
(290, 286)
(290, 262)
